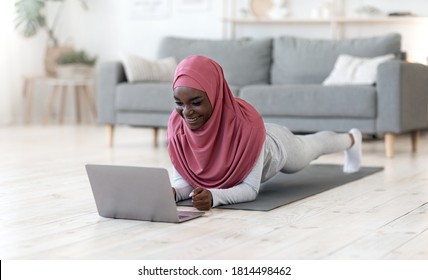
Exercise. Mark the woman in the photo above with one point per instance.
(222, 151)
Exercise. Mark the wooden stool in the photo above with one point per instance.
(76, 86)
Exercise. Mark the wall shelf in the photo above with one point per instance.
(336, 23)
(328, 20)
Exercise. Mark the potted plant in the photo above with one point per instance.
(32, 16)
(75, 64)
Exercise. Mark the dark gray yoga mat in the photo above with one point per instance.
(286, 188)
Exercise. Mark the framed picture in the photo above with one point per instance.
(192, 5)
(150, 9)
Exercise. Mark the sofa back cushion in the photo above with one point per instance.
(310, 61)
(244, 61)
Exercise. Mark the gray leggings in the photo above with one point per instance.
(288, 153)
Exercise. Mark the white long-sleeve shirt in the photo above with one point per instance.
(245, 191)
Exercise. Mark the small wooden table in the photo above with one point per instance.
(76, 86)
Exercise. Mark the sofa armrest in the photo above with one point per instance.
(402, 102)
(109, 75)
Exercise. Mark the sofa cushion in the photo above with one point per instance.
(356, 101)
(148, 97)
(244, 61)
(310, 61)
(141, 69)
(351, 70)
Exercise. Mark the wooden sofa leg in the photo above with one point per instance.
(110, 134)
(155, 136)
(415, 139)
(389, 144)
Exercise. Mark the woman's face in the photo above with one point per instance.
(193, 106)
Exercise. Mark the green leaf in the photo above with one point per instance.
(29, 16)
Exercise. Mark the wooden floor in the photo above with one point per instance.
(47, 210)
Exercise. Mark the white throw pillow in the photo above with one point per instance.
(141, 69)
(350, 70)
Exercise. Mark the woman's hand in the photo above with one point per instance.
(202, 199)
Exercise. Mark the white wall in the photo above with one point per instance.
(112, 26)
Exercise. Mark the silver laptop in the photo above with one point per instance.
(136, 193)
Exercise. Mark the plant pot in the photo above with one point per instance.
(75, 71)
(51, 56)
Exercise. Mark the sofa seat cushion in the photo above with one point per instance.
(355, 101)
(147, 97)
(310, 61)
(244, 61)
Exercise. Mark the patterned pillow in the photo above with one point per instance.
(139, 69)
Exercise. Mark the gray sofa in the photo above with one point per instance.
(282, 78)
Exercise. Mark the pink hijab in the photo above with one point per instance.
(223, 151)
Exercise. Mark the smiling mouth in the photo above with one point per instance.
(192, 120)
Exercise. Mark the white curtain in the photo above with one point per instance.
(6, 46)
(19, 57)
